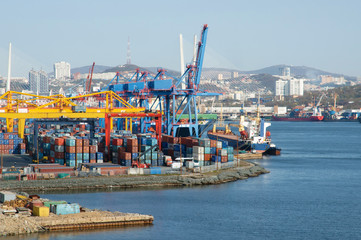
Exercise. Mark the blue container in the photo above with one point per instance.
(154, 163)
(59, 160)
(70, 163)
(85, 161)
(216, 158)
(155, 170)
(92, 156)
(154, 156)
(207, 150)
(164, 145)
(99, 156)
(213, 151)
(144, 148)
(86, 156)
(160, 162)
(70, 156)
(230, 150)
(63, 209)
(135, 155)
(70, 142)
(79, 156)
(22, 151)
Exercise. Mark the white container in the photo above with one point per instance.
(7, 196)
(219, 144)
(198, 149)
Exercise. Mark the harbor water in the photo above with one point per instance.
(312, 192)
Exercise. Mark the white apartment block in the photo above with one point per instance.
(292, 87)
(62, 70)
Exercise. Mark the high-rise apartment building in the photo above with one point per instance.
(62, 70)
(39, 82)
(292, 87)
(282, 88)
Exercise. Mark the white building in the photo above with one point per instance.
(62, 70)
(282, 88)
(39, 82)
(296, 87)
(292, 87)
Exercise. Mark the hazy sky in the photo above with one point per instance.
(244, 35)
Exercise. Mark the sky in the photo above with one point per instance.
(242, 35)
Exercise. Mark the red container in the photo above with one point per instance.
(79, 149)
(22, 146)
(125, 156)
(59, 141)
(132, 149)
(93, 161)
(92, 149)
(52, 147)
(59, 155)
(224, 159)
(6, 136)
(70, 149)
(85, 149)
(133, 142)
(85, 141)
(11, 142)
(78, 142)
(207, 157)
(35, 203)
(117, 141)
(52, 160)
(213, 143)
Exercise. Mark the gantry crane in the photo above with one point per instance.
(22, 106)
(163, 92)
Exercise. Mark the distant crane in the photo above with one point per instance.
(89, 79)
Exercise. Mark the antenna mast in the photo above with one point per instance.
(129, 60)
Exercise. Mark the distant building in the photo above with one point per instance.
(292, 87)
(282, 88)
(61, 70)
(296, 87)
(285, 71)
(328, 79)
(39, 82)
(234, 74)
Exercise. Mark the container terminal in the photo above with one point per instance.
(143, 125)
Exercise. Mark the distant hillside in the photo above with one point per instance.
(124, 68)
(171, 72)
(85, 69)
(301, 71)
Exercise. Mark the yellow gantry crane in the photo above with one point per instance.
(22, 106)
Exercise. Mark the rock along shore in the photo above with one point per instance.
(245, 171)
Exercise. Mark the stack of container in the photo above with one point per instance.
(70, 152)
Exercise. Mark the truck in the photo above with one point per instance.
(178, 162)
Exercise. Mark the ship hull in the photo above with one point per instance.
(298, 119)
(238, 143)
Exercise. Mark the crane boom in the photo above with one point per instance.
(89, 82)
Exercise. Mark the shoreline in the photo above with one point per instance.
(245, 171)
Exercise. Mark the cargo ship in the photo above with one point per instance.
(253, 136)
(297, 115)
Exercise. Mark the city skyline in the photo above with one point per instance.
(242, 35)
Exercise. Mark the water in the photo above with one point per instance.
(312, 192)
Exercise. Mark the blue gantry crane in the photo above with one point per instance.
(164, 92)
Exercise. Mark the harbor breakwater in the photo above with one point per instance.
(243, 171)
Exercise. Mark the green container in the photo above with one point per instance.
(63, 175)
(47, 204)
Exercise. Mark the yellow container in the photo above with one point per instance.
(41, 211)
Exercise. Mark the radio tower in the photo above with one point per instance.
(128, 52)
